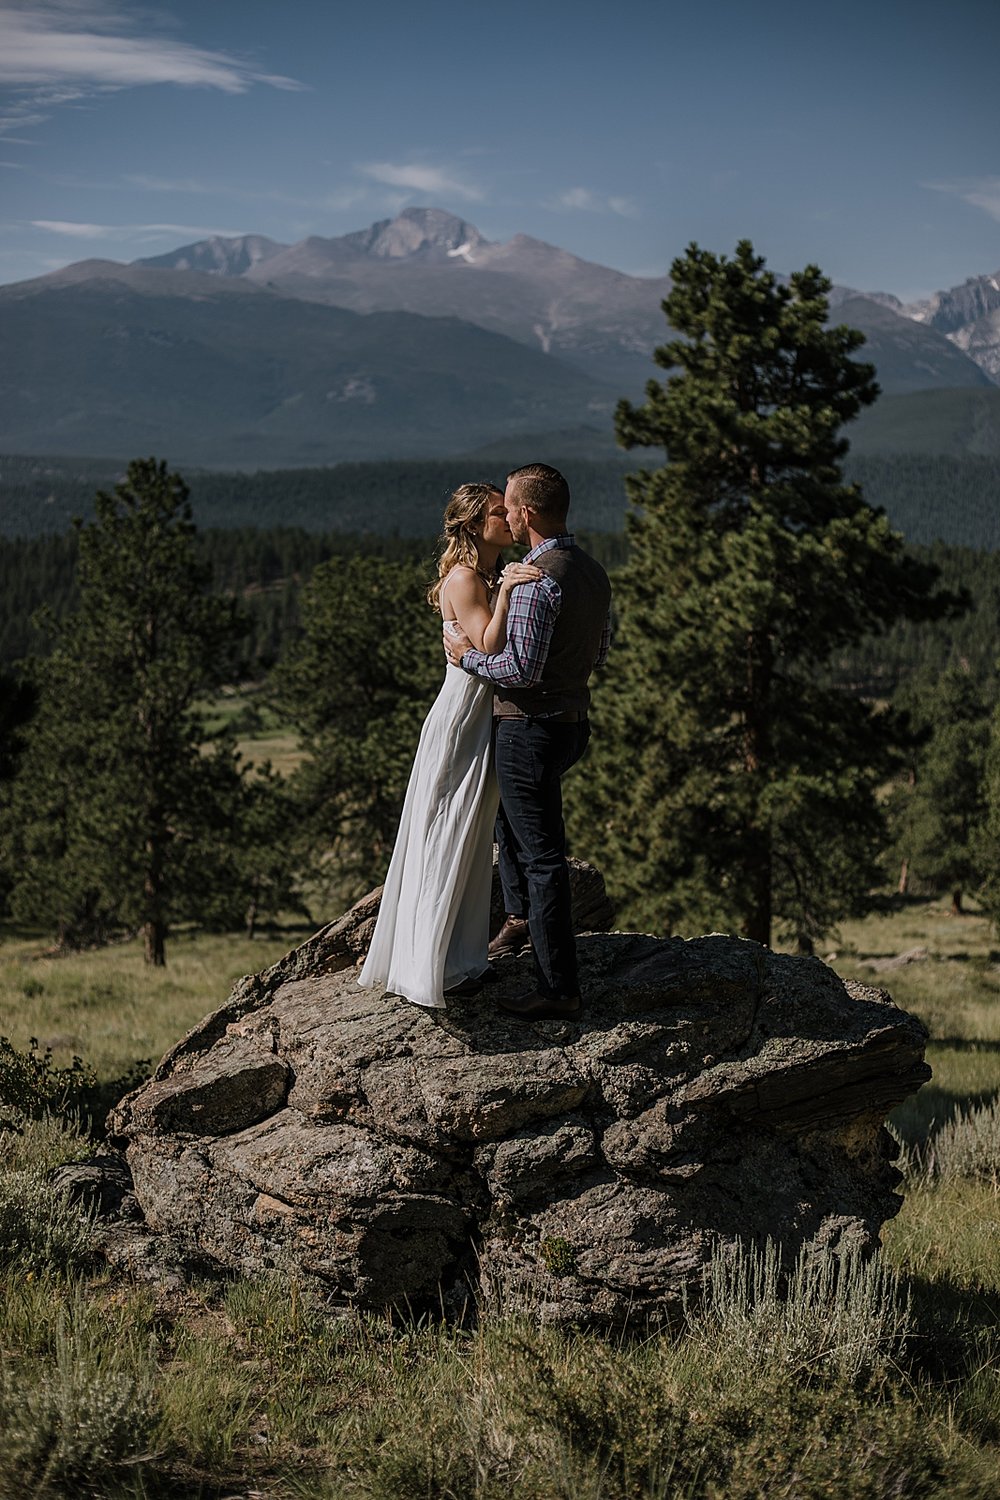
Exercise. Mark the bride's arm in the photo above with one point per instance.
(495, 634)
(468, 603)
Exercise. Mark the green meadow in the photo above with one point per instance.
(885, 1382)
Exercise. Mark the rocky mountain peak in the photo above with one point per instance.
(976, 298)
(219, 255)
(430, 233)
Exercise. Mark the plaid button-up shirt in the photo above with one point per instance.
(531, 619)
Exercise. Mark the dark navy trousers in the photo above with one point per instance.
(532, 755)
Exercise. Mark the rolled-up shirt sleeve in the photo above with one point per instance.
(531, 617)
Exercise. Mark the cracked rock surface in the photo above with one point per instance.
(712, 1090)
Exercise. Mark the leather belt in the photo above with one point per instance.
(571, 716)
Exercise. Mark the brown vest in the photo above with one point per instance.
(576, 639)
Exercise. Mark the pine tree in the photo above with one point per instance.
(17, 706)
(727, 782)
(988, 843)
(249, 814)
(113, 807)
(357, 683)
(939, 813)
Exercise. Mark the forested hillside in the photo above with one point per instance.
(929, 498)
(266, 569)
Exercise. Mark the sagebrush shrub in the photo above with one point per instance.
(40, 1229)
(967, 1146)
(91, 1411)
(832, 1315)
(39, 1145)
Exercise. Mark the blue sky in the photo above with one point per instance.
(865, 137)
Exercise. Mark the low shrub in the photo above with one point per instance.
(967, 1146)
(87, 1413)
(39, 1145)
(39, 1229)
(32, 1086)
(831, 1317)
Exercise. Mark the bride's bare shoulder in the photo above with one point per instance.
(463, 580)
(459, 586)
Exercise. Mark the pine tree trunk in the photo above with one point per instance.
(956, 903)
(758, 923)
(154, 940)
(904, 877)
(251, 917)
(758, 848)
(154, 926)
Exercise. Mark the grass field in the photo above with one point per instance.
(260, 733)
(237, 1389)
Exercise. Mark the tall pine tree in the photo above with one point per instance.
(988, 843)
(112, 813)
(357, 683)
(727, 782)
(939, 811)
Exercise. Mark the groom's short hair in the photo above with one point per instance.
(543, 490)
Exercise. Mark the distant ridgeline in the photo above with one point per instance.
(398, 498)
(928, 497)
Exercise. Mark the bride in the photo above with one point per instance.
(433, 923)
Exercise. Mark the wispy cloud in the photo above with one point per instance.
(978, 192)
(58, 51)
(78, 231)
(586, 200)
(51, 44)
(421, 178)
(71, 229)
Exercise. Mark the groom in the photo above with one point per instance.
(558, 631)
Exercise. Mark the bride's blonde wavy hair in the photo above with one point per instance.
(464, 514)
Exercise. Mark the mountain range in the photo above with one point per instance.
(414, 337)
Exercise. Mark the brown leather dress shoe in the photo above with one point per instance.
(511, 940)
(536, 1007)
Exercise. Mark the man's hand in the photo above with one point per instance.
(456, 642)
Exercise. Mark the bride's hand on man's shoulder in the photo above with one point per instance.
(519, 572)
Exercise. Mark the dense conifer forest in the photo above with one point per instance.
(929, 498)
(264, 569)
(267, 568)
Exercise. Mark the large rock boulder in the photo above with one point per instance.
(389, 1155)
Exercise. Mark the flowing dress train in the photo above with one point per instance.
(433, 923)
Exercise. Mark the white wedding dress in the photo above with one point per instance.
(433, 921)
